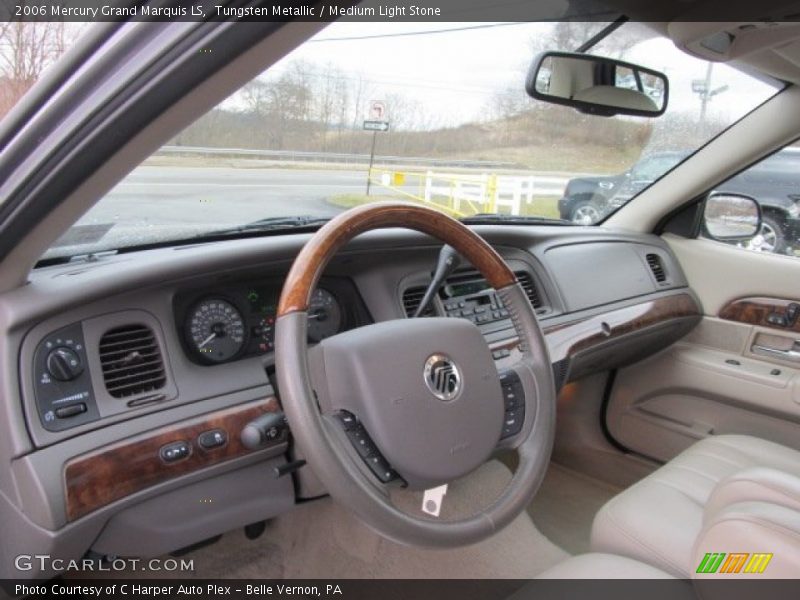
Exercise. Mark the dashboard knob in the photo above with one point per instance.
(64, 364)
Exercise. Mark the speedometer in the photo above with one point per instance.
(216, 330)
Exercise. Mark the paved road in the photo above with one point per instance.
(157, 204)
(160, 203)
(223, 196)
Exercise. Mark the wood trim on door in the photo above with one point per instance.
(756, 311)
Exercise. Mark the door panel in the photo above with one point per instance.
(737, 372)
(721, 273)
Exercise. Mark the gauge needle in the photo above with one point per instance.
(207, 340)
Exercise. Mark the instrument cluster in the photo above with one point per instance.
(231, 322)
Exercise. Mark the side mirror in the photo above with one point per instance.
(731, 217)
(597, 85)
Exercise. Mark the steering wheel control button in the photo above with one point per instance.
(71, 410)
(514, 402)
(381, 468)
(175, 451)
(361, 442)
(443, 377)
(209, 440)
(366, 448)
(348, 421)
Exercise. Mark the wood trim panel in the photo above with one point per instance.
(755, 310)
(311, 261)
(113, 472)
(566, 339)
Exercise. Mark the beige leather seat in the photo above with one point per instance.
(659, 519)
(602, 566)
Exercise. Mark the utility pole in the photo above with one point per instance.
(704, 96)
(376, 122)
(702, 87)
(371, 160)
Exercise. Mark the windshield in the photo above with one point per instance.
(430, 113)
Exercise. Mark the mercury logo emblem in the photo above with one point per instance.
(442, 377)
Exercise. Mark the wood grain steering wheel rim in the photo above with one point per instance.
(311, 261)
(319, 434)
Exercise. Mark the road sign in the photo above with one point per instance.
(376, 125)
(377, 110)
(377, 121)
(719, 90)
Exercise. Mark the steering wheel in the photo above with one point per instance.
(415, 402)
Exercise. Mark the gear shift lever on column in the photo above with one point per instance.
(449, 261)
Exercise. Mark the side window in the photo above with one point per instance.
(774, 184)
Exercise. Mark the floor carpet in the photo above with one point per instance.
(322, 539)
(565, 506)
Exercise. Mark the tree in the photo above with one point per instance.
(568, 36)
(26, 49)
(281, 104)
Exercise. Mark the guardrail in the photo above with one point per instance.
(462, 194)
(333, 157)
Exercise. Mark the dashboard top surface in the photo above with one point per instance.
(213, 303)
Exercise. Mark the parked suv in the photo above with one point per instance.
(774, 182)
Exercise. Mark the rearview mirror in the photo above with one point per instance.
(731, 217)
(597, 85)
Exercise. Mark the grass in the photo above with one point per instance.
(540, 206)
(565, 159)
(561, 159)
(352, 200)
(200, 162)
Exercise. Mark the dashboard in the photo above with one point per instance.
(134, 379)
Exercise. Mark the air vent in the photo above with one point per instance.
(654, 262)
(131, 361)
(411, 299)
(526, 281)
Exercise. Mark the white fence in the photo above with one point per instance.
(504, 191)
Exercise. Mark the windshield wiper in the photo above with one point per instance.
(493, 218)
(270, 224)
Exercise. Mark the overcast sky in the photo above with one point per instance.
(457, 73)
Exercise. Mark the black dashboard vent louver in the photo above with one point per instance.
(526, 281)
(411, 299)
(131, 361)
(654, 262)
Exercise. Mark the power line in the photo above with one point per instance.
(366, 77)
(413, 33)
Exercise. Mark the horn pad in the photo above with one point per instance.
(426, 390)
